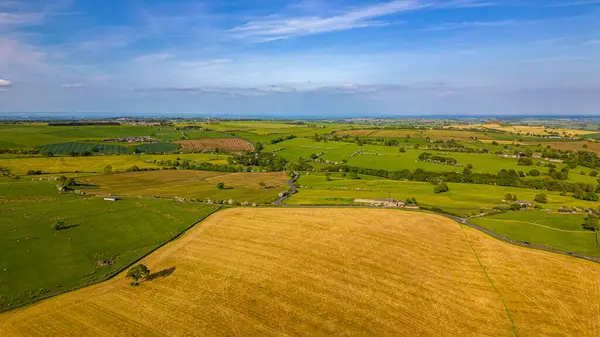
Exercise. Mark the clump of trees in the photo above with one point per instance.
(220, 185)
(60, 225)
(137, 273)
(426, 156)
(510, 197)
(525, 161)
(541, 198)
(34, 172)
(591, 222)
(441, 188)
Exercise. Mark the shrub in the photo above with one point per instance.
(534, 173)
(594, 173)
(541, 198)
(34, 172)
(441, 188)
(220, 185)
(524, 161)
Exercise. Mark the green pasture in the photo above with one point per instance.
(38, 261)
(561, 231)
(461, 199)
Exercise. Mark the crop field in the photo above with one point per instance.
(94, 164)
(461, 199)
(327, 272)
(197, 185)
(80, 147)
(225, 144)
(156, 148)
(38, 261)
(524, 129)
(561, 231)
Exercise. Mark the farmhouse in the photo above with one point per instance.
(381, 202)
(526, 203)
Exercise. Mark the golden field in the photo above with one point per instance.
(267, 272)
(525, 129)
(96, 164)
(432, 134)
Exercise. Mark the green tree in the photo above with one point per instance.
(541, 198)
(220, 185)
(534, 173)
(108, 169)
(262, 184)
(594, 173)
(259, 147)
(138, 273)
(591, 222)
(441, 188)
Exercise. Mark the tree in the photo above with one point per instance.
(259, 147)
(541, 198)
(466, 170)
(441, 188)
(469, 166)
(591, 222)
(108, 169)
(138, 273)
(594, 173)
(220, 185)
(534, 173)
(261, 184)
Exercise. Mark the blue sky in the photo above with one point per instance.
(302, 57)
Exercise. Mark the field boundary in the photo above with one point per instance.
(487, 276)
(118, 271)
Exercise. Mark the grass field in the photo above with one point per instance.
(461, 199)
(80, 147)
(432, 134)
(94, 164)
(389, 158)
(38, 261)
(225, 144)
(191, 185)
(331, 272)
(561, 231)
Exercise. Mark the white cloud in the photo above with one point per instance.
(72, 85)
(272, 28)
(5, 83)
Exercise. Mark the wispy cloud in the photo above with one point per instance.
(5, 83)
(274, 28)
(474, 24)
(72, 85)
(574, 3)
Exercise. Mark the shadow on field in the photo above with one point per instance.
(162, 273)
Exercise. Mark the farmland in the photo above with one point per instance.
(93, 164)
(322, 271)
(212, 144)
(461, 199)
(561, 231)
(196, 185)
(38, 261)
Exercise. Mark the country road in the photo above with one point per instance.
(289, 193)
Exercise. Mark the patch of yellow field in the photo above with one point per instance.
(338, 271)
(432, 134)
(94, 164)
(526, 129)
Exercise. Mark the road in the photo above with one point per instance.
(289, 193)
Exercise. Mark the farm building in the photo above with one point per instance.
(526, 203)
(381, 202)
(111, 198)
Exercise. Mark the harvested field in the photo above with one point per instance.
(432, 134)
(331, 272)
(225, 144)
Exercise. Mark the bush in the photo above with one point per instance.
(541, 198)
(220, 185)
(594, 173)
(441, 188)
(34, 172)
(534, 173)
(524, 161)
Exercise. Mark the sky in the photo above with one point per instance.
(300, 57)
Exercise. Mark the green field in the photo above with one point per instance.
(460, 200)
(561, 231)
(391, 159)
(38, 261)
(81, 147)
(95, 164)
